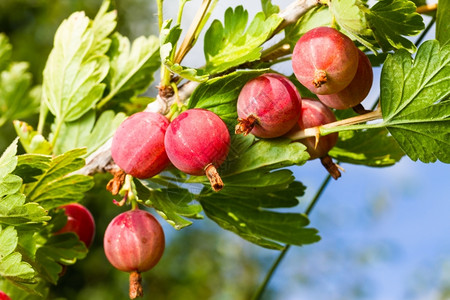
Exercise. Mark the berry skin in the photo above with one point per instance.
(134, 242)
(79, 221)
(197, 143)
(325, 60)
(315, 113)
(356, 91)
(138, 145)
(268, 106)
(3, 296)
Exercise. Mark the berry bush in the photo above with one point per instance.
(218, 141)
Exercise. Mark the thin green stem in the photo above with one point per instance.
(425, 31)
(43, 112)
(56, 132)
(180, 10)
(282, 254)
(192, 33)
(107, 98)
(319, 193)
(160, 13)
(265, 283)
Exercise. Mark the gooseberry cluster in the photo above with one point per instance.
(327, 63)
(197, 141)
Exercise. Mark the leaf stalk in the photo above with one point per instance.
(341, 125)
(192, 34)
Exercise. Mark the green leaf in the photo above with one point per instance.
(31, 140)
(132, 67)
(8, 160)
(246, 214)
(11, 265)
(267, 154)
(103, 25)
(262, 185)
(168, 39)
(352, 20)
(442, 23)
(56, 186)
(76, 67)
(187, 73)
(5, 51)
(373, 148)
(58, 249)
(172, 203)
(83, 133)
(8, 240)
(415, 101)
(17, 99)
(231, 45)
(220, 94)
(316, 17)
(13, 268)
(269, 8)
(390, 20)
(13, 210)
(22, 214)
(30, 166)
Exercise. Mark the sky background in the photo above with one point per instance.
(385, 231)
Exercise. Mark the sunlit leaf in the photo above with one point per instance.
(415, 101)
(232, 43)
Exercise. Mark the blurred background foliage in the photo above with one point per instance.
(204, 262)
(198, 263)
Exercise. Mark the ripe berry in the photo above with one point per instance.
(3, 296)
(80, 221)
(197, 143)
(314, 113)
(324, 60)
(134, 242)
(138, 145)
(356, 91)
(268, 106)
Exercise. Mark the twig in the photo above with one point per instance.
(423, 9)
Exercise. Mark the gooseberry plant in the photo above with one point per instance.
(95, 77)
